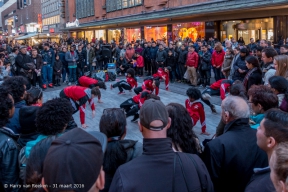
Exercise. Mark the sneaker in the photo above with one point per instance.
(69, 83)
(136, 116)
(121, 92)
(111, 86)
(44, 86)
(213, 109)
(206, 96)
(50, 85)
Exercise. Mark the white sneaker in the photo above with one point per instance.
(69, 83)
(206, 96)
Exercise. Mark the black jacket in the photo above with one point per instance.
(133, 149)
(205, 61)
(159, 168)
(9, 158)
(239, 64)
(255, 78)
(171, 61)
(182, 56)
(20, 62)
(57, 66)
(146, 54)
(231, 157)
(261, 181)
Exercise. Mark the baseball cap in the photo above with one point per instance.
(75, 157)
(153, 110)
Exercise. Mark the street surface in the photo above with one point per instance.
(111, 99)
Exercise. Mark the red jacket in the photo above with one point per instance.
(87, 81)
(132, 82)
(163, 75)
(217, 58)
(140, 61)
(80, 95)
(223, 86)
(147, 84)
(196, 112)
(192, 59)
(140, 99)
(129, 54)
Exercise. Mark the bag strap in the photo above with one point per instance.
(176, 158)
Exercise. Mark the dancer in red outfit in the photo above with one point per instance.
(139, 64)
(150, 84)
(163, 74)
(85, 81)
(195, 108)
(78, 96)
(129, 84)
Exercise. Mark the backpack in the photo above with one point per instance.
(111, 76)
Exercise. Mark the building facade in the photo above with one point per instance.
(130, 20)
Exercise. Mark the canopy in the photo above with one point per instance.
(26, 36)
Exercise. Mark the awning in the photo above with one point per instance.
(26, 36)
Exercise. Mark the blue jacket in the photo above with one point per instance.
(62, 58)
(14, 123)
(153, 52)
(48, 56)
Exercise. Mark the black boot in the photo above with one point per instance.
(136, 116)
(207, 82)
(58, 82)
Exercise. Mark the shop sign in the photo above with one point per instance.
(73, 24)
(51, 30)
(45, 28)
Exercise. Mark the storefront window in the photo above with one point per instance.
(80, 34)
(254, 28)
(89, 35)
(131, 35)
(114, 35)
(192, 30)
(154, 33)
(100, 34)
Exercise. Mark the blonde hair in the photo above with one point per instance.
(282, 61)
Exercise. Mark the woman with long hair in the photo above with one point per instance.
(281, 66)
(280, 87)
(119, 150)
(254, 75)
(180, 131)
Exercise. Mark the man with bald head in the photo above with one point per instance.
(231, 157)
(160, 168)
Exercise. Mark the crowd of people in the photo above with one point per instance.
(42, 149)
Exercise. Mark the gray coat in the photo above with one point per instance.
(69, 58)
(161, 56)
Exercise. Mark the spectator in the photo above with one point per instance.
(90, 55)
(64, 63)
(183, 137)
(86, 150)
(17, 88)
(268, 70)
(280, 87)
(181, 63)
(161, 56)
(119, 150)
(159, 159)
(240, 68)
(153, 54)
(129, 53)
(236, 56)
(71, 57)
(272, 132)
(254, 75)
(263, 43)
(192, 65)
(139, 64)
(226, 66)
(37, 60)
(261, 99)
(21, 62)
(204, 66)
(81, 62)
(226, 157)
(171, 62)
(281, 66)
(252, 45)
(240, 40)
(48, 57)
(9, 148)
(217, 61)
(57, 70)
(284, 50)
(12, 58)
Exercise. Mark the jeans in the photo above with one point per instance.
(72, 74)
(64, 72)
(217, 73)
(122, 85)
(47, 72)
(172, 75)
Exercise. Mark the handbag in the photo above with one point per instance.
(31, 66)
(186, 75)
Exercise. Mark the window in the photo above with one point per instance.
(113, 5)
(84, 8)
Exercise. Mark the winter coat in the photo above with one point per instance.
(90, 55)
(133, 149)
(82, 61)
(9, 158)
(14, 123)
(69, 58)
(57, 66)
(192, 59)
(160, 161)
(129, 54)
(37, 61)
(161, 56)
(182, 56)
(12, 58)
(153, 52)
(260, 181)
(252, 46)
(146, 54)
(240, 64)
(205, 61)
(62, 58)
(217, 58)
(226, 66)
(171, 62)
(140, 61)
(48, 57)
(231, 157)
(255, 78)
(21, 61)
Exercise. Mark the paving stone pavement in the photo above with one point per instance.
(111, 99)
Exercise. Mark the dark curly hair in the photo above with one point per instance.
(15, 86)
(6, 104)
(269, 52)
(33, 95)
(280, 84)
(180, 130)
(54, 116)
(264, 96)
(34, 167)
(193, 93)
(238, 89)
(113, 125)
(131, 72)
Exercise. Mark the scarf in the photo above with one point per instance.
(245, 81)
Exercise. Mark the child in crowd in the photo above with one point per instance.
(34, 97)
(150, 84)
(4, 71)
(57, 70)
(129, 84)
(139, 64)
(171, 62)
(163, 74)
(226, 67)
(195, 108)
